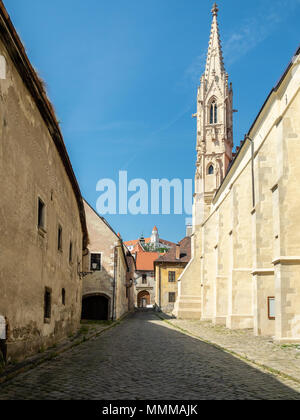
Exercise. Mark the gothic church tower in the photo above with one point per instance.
(214, 125)
(214, 154)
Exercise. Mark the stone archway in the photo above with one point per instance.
(143, 299)
(95, 308)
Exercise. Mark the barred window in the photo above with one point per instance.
(172, 297)
(172, 277)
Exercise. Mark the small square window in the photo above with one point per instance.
(41, 214)
(172, 297)
(271, 308)
(172, 276)
(95, 262)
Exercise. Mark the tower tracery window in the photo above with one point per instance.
(213, 117)
(210, 170)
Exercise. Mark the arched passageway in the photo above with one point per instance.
(95, 308)
(143, 299)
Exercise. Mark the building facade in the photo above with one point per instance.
(108, 281)
(246, 242)
(42, 223)
(168, 269)
(145, 252)
(144, 277)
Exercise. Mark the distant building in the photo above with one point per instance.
(108, 285)
(168, 268)
(153, 243)
(144, 276)
(145, 252)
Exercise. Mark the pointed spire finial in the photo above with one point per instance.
(215, 9)
(214, 62)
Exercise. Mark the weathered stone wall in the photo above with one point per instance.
(31, 168)
(287, 217)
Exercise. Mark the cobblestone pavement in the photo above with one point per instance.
(261, 350)
(146, 358)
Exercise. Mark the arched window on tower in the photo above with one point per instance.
(210, 170)
(213, 113)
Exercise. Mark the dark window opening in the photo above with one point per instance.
(211, 170)
(47, 303)
(41, 214)
(213, 113)
(172, 297)
(95, 262)
(59, 238)
(63, 296)
(172, 276)
(144, 279)
(71, 252)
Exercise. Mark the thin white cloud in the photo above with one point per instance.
(245, 37)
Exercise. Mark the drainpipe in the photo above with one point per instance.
(252, 169)
(159, 275)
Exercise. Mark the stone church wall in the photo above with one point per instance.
(248, 253)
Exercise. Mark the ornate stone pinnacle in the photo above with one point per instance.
(215, 10)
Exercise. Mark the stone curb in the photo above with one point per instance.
(39, 360)
(243, 357)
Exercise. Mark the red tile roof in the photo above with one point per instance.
(145, 260)
(185, 253)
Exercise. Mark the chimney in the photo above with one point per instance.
(178, 252)
(189, 230)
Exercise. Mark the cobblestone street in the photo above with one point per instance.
(146, 358)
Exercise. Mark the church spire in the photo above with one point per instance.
(215, 61)
(214, 124)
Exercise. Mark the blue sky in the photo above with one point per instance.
(123, 77)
